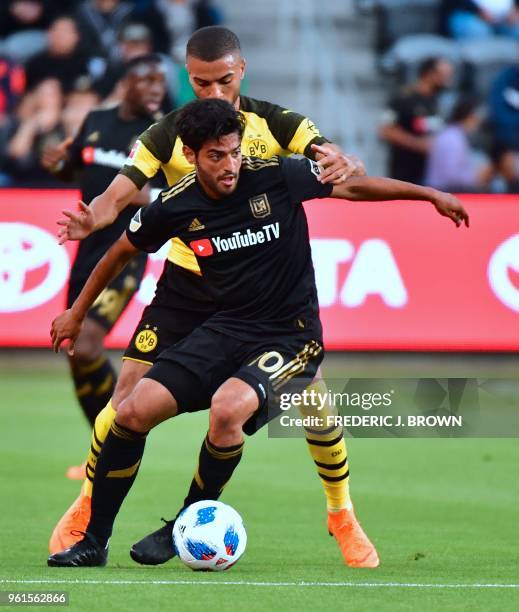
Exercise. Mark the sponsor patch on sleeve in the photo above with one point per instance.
(133, 153)
(314, 167)
(135, 223)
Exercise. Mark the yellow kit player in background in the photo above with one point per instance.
(216, 68)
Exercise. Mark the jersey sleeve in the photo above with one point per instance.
(151, 150)
(151, 227)
(300, 176)
(293, 131)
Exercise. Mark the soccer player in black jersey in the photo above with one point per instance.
(254, 252)
(182, 303)
(95, 156)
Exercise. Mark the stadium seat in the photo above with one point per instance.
(397, 18)
(483, 59)
(404, 57)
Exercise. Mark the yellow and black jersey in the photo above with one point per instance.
(270, 130)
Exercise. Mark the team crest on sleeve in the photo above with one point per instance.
(136, 222)
(315, 167)
(260, 206)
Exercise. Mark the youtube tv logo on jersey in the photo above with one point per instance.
(202, 248)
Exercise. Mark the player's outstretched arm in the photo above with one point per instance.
(378, 189)
(337, 166)
(103, 210)
(68, 324)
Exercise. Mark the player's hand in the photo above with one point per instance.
(65, 327)
(76, 225)
(336, 165)
(449, 206)
(53, 154)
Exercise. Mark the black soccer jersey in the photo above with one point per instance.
(99, 151)
(270, 130)
(252, 246)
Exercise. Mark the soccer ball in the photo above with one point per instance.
(209, 535)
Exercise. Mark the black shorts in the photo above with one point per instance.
(181, 304)
(195, 367)
(112, 302)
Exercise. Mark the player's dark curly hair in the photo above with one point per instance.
(209, 119)
(212, 42)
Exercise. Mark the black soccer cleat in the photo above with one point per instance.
(155, 548)
(85, 553)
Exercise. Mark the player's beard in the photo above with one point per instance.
(215, 185)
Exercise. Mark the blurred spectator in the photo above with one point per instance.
(99, 21)
(145, 12)
(58, 97)
(480, 18)
(412, 118)
(12, 86)
(62, 60)
(22, 27)
(504, 116)
(134, 40)
(452, 164)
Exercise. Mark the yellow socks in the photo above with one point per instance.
(102, 426)
(328, 450)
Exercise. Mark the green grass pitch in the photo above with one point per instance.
(442, 512)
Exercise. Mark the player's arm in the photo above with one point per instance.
(336, 164)
(103, 210)
(300, 135)
(151, 150)
(68, 324)
(149, 229)
(377, 189)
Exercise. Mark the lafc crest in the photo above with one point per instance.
(260, 206)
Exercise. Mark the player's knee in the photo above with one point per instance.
(131, 373)
(226, 412)
(130, 415)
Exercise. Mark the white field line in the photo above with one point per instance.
(401, 585)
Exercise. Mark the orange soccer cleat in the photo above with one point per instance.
(356, 548)
(72, 525)
(76, 472)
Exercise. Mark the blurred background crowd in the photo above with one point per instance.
(61, 58)
(452, 121)
(428, 90)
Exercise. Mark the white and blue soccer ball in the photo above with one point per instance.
(209, 535)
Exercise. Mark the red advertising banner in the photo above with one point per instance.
(390, 276)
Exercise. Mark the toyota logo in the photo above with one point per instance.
(33, 267)
(505, 260)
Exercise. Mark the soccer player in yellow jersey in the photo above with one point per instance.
(182, 302)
